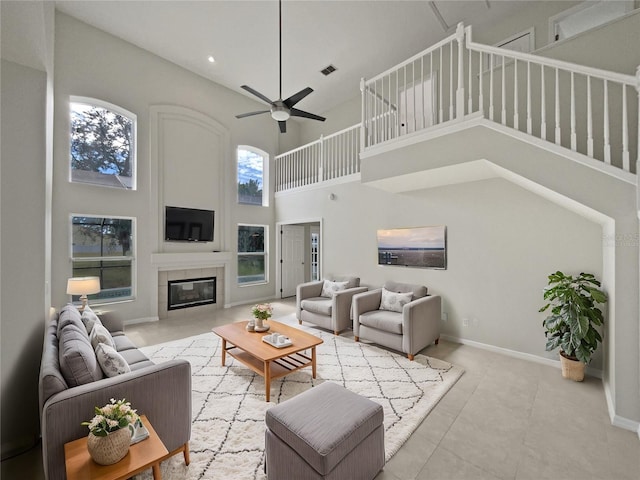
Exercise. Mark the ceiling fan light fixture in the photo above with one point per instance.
(280, 113)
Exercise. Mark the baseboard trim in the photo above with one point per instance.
(250, 302)
(594, 372)
(617, 420)
(133, 321)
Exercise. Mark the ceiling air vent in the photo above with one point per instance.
(327, 70)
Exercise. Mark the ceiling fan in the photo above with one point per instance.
(280, 109)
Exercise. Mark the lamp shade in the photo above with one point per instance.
(83, 285)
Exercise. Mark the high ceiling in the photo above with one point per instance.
(360, 38)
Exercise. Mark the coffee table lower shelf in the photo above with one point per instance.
(277, 368)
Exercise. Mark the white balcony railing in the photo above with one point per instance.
(334, 156)
(590, 111)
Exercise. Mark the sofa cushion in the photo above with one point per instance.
(383, 320)
(99, 334)
(123, 343)
(418, 291)
(78, 361)
(133, 356)
(319, 305)
(89, 318)
(111, 362)
(393, 301)
(70, 315)
(329, 288)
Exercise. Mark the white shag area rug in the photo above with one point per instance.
(228, 403)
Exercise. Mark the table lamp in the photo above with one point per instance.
(83, 286)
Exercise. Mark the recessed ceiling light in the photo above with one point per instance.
(211, 59)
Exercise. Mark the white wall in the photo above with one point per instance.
(92, 63)
(22, 250)
(502, 242)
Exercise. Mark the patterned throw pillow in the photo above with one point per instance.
(99, 334)
(393, 301)
(329, 289)
(89, 318)
(111, 362)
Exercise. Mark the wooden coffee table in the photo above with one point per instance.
(264, 359)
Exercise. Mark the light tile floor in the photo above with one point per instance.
(504, 419)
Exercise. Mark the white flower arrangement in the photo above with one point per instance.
(262, 311)
(113, 416)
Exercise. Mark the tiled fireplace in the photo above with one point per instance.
(191, 291)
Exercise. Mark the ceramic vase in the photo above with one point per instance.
(260, 326)
(110, 449)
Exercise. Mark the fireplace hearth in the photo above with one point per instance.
(191, 292)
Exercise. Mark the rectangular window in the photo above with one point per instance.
(252, 254)
(103, 247)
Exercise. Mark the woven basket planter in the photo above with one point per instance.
(110, 449)
(572, 369)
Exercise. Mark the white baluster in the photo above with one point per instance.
(397, 122)
(480, 83)
(470, 101)
(625, 131)
(433, 106)
(450, 80)
(363, 114)
(574, 138)
(424, 121)
(441, 111)
(504, 96)
(390, 111)
(460, 90)
(516, 121)
(543, 106)
(607, 144)
(589, 119)
(491, 86)
(558, 139)
(529, 119)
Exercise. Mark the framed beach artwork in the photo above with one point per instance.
(423, 247)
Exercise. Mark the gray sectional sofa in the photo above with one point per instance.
(72, 383)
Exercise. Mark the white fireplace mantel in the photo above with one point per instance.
(172, 261)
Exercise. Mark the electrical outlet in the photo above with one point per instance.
(465, 322)
(445, 317)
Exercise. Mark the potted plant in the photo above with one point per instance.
(571, 326)
(110, 432)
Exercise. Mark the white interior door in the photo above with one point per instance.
(291, 259)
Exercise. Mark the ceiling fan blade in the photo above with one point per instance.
(293, 99)
(283, 127)
(242, 115)
(300, 113)
(256, 93)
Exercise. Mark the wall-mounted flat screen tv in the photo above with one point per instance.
(188, 224)
(424, 247)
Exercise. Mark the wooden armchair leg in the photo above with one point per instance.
(437, 340)
(299, 322)
(410, 356)
(356, 338)
(187, 459)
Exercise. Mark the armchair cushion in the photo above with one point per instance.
(321, 305)
(330, 288)
(383, 320)
(393, 301)
(418, 291)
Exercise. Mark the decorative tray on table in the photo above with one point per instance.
(281, 343)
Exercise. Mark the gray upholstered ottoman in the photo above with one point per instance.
(327, 432)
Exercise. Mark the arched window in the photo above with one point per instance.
(102, 144)
(252, 176)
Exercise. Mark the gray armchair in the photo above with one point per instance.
(332, 313)
(408, 331)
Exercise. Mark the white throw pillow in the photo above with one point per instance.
(99, 334)
(89, 318)
(329, 289)
(111, 362)
(393, 301)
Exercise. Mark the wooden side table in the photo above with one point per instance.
(143, 455)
